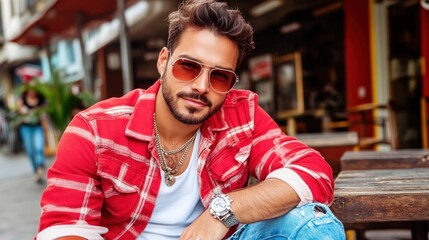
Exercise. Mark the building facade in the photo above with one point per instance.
(314, 60)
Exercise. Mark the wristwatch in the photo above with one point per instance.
(220, 208)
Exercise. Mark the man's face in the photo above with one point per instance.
(193, 102)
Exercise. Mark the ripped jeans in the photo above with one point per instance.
(313, 221)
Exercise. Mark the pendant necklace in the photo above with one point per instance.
(169, 177)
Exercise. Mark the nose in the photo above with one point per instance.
(201, 83)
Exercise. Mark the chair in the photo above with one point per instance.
(369, 116)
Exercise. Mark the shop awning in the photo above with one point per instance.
(60, 18)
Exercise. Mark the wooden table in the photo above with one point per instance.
(389, 195)
(399, 159)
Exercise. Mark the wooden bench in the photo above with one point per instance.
(382, 196)
(399, 159)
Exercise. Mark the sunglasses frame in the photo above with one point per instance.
(211, 68)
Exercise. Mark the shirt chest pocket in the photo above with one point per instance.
(229, 166)
(121, 185)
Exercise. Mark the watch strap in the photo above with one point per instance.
(229, 220)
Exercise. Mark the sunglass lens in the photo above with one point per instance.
(186, 70)
(222, 80)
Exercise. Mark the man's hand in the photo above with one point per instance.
(205, 227)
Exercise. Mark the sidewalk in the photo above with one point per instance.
(19, 197)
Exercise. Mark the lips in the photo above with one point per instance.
(195, 99)
(195, 102)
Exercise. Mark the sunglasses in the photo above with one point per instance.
(187, 70)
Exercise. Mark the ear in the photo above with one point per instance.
(162, 61)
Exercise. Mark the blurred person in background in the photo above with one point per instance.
(4, 129)
(173, 161)
(30, 108)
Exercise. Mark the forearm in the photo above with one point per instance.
(268, 199)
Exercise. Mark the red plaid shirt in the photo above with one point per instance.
(107, 171)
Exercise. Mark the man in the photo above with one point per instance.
(172, 161)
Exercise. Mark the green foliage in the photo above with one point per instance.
(61, 102)
(32, 116)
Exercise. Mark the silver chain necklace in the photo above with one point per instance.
(170, 179)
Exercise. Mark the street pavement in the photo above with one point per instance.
(19, 197)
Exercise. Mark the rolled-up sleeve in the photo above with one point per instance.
(277, 155)
(81, 230)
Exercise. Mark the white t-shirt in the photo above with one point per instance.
(177, 206)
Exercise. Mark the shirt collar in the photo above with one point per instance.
(140, 125)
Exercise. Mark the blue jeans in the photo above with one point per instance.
(306, 222)
(33, 139)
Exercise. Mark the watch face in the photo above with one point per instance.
(219, 204)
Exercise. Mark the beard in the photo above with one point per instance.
(188, 117)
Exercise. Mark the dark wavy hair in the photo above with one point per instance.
(216, 16)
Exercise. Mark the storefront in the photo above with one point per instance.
(314, 60)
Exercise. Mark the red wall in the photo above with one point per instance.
(357, 51)
(424, 26)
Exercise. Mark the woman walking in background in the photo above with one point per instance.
(30, 107)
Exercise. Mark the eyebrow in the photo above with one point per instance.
(208, 65)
